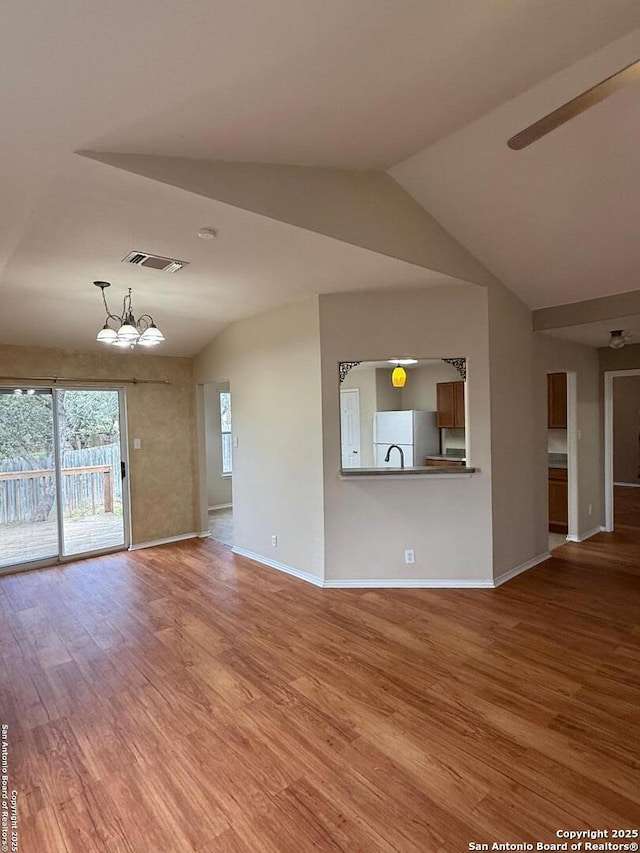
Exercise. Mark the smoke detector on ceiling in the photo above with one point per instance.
(207, 233)
(154, 262)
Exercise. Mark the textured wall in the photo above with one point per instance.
(162, 472)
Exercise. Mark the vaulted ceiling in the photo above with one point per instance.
(427, 89)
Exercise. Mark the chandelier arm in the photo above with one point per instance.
(110, 316)
(106, 306)
(144, 321)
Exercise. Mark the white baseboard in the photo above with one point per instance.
(373, 583)
(219, 506)
(628, 485)
(407, 583)
(390, 583)
(518, 570)
(166, 541)
(204, 534)
(281, 567)
(587, 535)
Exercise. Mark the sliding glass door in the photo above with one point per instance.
(91, 480)
(62, 474)
(28, 495)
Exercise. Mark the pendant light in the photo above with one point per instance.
(399, 374)
(398, 377)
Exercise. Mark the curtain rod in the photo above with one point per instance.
(56, 379)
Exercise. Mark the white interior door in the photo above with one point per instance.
(350, 427)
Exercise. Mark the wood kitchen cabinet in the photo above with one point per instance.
(444, 463)
(558, 500)
(557, 400)
(450, 404)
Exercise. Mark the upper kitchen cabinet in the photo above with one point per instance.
(557, 400)
(450, 405)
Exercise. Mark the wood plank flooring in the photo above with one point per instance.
(181, 698)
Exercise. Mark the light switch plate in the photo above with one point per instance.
(137, 444)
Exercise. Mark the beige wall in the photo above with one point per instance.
(557, 441)
(162, 472)
(219, 488)
(369, 523)
(626, 429)
(557, 356)
(272, 361)
(388, 398)
(627, 358)
(517, 434)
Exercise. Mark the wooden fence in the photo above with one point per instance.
(91, 483)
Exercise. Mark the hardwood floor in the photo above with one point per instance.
(181, 698)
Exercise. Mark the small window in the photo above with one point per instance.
(225, 429)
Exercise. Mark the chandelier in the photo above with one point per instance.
(124, 330)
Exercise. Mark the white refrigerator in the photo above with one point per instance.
(415, 432)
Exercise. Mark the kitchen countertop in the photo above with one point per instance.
(557, 460)
(425, 471)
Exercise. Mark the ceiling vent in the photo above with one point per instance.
(154, 262)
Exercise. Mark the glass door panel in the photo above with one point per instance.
(93, 510)
(28, 499)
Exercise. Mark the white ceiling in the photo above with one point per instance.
(253, 264)
(598, 334)
(358, 84)
(558, 221)
(354, 85)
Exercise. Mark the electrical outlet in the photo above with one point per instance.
(409, 556)
(235, 440)
(274, 541)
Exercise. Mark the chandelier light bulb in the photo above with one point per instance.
(151, 337)
(107, 335)
(123, 330)
(128, 332)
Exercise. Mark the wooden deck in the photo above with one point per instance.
(182, 698)
(25, 542)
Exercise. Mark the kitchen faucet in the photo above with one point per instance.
(399, 449)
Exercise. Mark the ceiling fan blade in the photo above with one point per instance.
(575, 106)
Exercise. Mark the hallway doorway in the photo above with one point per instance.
(219, 458)
(622, 449)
